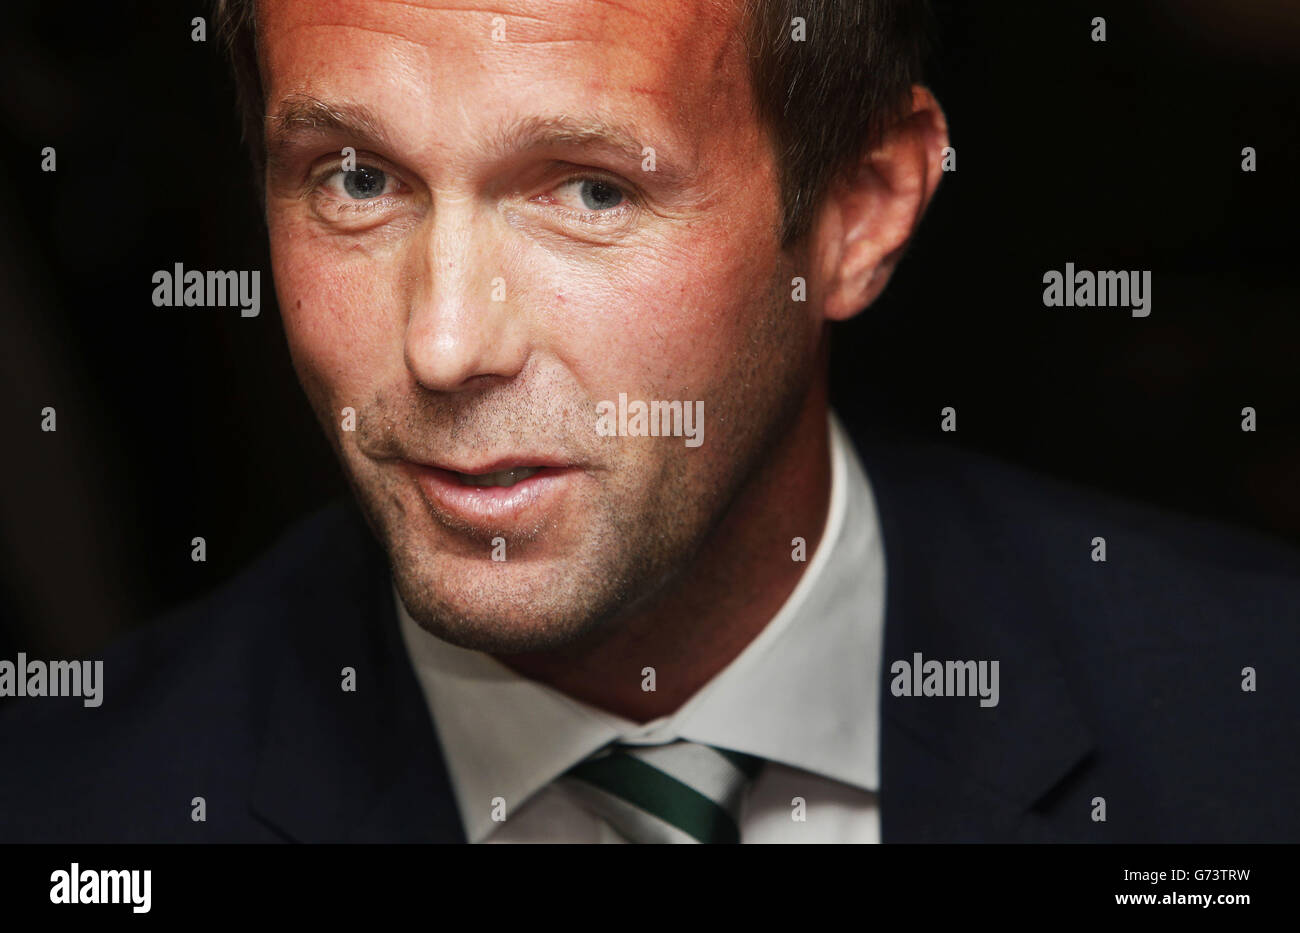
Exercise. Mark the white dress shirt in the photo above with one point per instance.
(803, 695)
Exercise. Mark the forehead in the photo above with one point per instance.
(678, 64)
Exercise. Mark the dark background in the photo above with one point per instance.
(1123, 155)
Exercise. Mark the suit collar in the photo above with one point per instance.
(956, 590)
(339, 766)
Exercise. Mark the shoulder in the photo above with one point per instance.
(1084, 563)
(944, 498)
(1177, 647)
(182, 701)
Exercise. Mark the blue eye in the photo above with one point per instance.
(599, 195)
(364, 183)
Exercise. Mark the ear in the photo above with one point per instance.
(870, 211)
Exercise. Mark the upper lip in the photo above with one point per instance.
(480, 467)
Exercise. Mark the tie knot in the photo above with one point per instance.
(679, 792)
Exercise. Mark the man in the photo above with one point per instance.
(557, 282)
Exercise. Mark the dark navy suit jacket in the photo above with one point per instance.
(1119, 680)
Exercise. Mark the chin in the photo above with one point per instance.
(488, 606)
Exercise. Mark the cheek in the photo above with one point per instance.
(337, 306)
(672, 318)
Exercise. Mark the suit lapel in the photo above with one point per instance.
(339, 766)
(951, 769)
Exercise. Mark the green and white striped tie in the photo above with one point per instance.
(679, 792)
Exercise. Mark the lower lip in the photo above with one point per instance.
(493, 508)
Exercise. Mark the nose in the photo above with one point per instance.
(461, 332)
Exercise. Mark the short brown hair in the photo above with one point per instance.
(826, 96)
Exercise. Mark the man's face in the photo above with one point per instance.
(502, 260)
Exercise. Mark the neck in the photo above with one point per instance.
(743, 575)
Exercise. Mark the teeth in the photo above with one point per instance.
(499, 478)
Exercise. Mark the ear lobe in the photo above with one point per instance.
(879, 204)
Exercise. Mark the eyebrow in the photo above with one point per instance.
(301, 116)
(532, 133)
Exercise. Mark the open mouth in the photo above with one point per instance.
(511, 497)
(497, 478)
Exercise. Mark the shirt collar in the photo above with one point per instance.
(804, 692)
